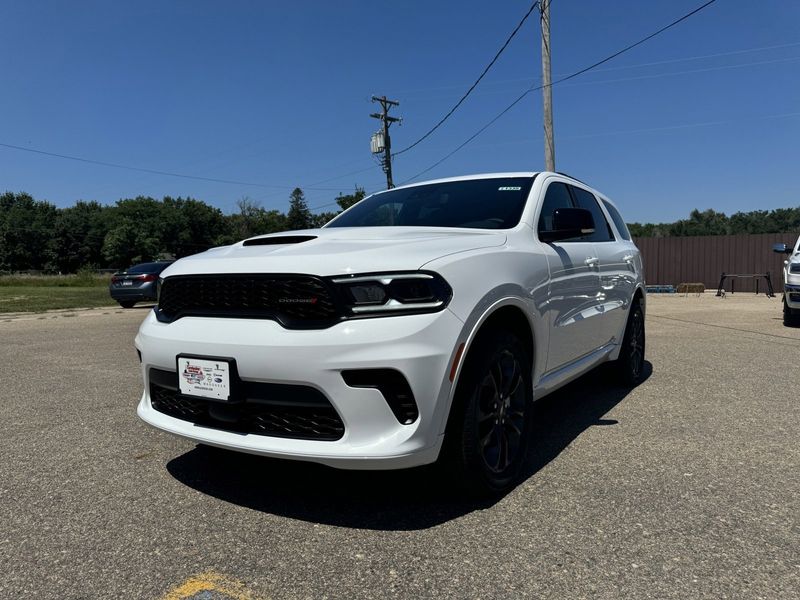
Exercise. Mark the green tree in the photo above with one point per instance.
(191, 226)
(299, 216)
(136, 231)
(252, 220)
(321, 219)
(711, 222)
(26, 228)
(120, 247)
(78, 237)
(707, 222)
(345, 201)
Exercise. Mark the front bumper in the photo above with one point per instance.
(791, 292)
(421, 347)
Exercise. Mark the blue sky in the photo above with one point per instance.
(706, 115)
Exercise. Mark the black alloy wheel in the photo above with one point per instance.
(501, 411)
(630, 364)
(490, 423)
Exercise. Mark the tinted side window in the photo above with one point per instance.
(602, 230)
(618, 221)
(557, 196)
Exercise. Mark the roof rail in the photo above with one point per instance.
(571, 177)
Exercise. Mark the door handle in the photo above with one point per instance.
(591, 261)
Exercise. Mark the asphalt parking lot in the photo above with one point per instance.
(686, 487)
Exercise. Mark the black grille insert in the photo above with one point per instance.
(296, 301)
(277, 410)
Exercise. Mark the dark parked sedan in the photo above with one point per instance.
(136, 284)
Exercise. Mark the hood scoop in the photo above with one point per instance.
(278, 240)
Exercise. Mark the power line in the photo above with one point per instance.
(271, 195)
(560, 80)
(703, 56)
(144, 170)
(474, 135)
(788, 59)
(611, 133)
(621, 68)
(682, 126)
(632, 46)
(474, 85)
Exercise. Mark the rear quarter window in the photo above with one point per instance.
(619, 223)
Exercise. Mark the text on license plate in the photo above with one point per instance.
(207, 378)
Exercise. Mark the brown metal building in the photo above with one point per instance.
(702, 259)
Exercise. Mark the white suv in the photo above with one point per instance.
(791, 283)
(419, 324)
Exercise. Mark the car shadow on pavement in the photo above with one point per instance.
(403, 500)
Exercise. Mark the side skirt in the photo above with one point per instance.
(550, 382)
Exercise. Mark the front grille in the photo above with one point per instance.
(296, 301)
(288, 411)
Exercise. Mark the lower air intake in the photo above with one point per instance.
(288, 411)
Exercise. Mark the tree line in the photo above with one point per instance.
(36, 235)
(711, 222)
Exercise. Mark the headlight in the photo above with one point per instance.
(393, 293)
(794, 268)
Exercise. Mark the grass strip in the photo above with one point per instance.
(38, 298)
(81, 280)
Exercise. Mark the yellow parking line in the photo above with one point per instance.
(209, 581)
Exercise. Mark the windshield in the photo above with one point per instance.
(495, 203)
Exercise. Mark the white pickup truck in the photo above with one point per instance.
(791, 283)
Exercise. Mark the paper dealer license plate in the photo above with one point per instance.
(207, 378)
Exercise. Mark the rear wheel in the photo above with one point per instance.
(630, 364)
(488, 433)
(126, 304)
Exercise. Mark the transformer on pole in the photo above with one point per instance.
(381, 143)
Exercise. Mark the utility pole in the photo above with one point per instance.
(381, 142)
(547, 93)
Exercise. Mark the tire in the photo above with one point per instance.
(490, 424)
(126, 304)
(791, 316)
(629, 367)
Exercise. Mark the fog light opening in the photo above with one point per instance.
(392, 385)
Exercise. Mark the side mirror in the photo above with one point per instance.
(569, 223)
(782, 248)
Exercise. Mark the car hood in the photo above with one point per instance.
(338, 250)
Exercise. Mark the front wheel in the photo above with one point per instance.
(489, 429)
(630, 364)
(791, 316)
(127, 304)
